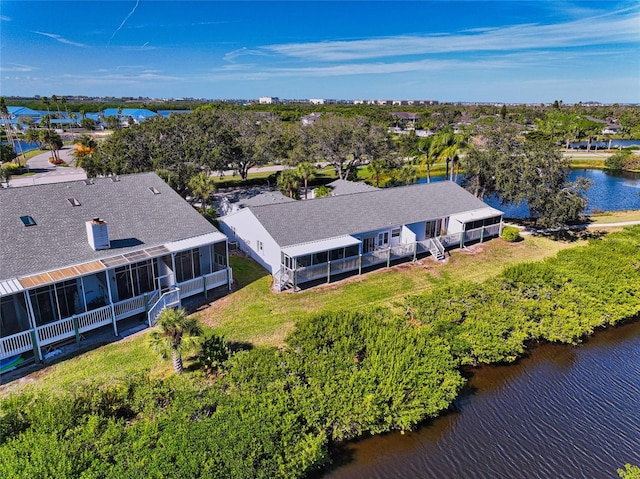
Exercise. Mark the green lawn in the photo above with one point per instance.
(257, 315)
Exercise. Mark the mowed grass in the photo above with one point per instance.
(615, 217)
(254, 314)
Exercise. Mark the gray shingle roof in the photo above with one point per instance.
(136, 219)
(345, 187)
(310, 220)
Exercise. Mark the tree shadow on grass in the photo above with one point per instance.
(572, 235)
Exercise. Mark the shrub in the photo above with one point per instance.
(511, 234)
(214, 351)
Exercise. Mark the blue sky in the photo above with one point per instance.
(496, 51)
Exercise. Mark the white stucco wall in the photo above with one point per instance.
(243, 227)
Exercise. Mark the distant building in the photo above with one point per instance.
(316, 101)
(268, 100)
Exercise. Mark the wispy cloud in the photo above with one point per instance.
(61, 39)
(615, 27)
(4, 18)
(123, 22)
(16, 67)
(244, 51)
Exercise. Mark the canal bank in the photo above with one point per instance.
(559, 411)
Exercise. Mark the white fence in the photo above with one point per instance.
(197, 285)
(15, 344)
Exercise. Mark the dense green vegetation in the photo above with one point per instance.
(277, 412)
(623, 160)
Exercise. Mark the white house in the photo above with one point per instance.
(320, 239)
(82, 255)
(268, 100)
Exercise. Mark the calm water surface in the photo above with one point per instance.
(610, 192)
(561, 412)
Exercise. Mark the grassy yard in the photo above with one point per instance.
(254, 314)
(615, 217)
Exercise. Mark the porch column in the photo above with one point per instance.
(360, 263)
(37, 352)
(389, 256)
(113, 311)
(226, 251)
(328, 271)
(293, 272)
(464, 228)
(482, 232)
(415, 251)
(173, 268)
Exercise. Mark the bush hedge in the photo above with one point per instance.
(511, 234)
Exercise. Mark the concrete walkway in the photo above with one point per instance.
(45, 172)
(533, 231)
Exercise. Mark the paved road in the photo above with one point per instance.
(45, 172)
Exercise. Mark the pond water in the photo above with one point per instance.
(562, 411)
(25, 145)
(610, 192)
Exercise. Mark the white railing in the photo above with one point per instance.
(309, 273)
(450, 240)
(191, 287)
(344, 265)
(493, 230)
(170, 299)
(129, 307)
(217, 278)
(374, 257)
(15, 344)
(473, 235)
(94, 319)
(424, 246)
(52, 332)
(402, 251)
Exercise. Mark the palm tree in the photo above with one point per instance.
(288, 181)
(54, 99)
(306, 171)
(407, 175)
(377, 167)
(202, 186)
(448, 144)
(175, 334)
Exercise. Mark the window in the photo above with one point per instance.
(336, 254)
(27, 221)
(136, 279)
(353, 250)
(56, 301)
(187, 265)
(396, 233)
(303, 261)
(319, 258)
(260, 247)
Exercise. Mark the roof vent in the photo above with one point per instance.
(154, 190)
(88, 181)
(73, 201)
(115, 178)
(98, 234)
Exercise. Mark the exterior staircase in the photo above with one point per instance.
(437, 250)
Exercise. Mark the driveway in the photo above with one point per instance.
(45, 172)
